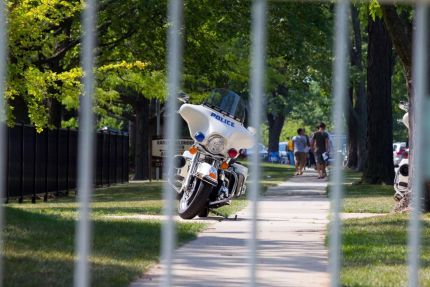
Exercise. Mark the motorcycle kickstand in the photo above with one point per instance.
(220, 214)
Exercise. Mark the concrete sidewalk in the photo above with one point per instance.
(291, 225)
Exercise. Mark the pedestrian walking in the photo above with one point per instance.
(321, 149)
(300, 144)
(307, 149)
(312, 161)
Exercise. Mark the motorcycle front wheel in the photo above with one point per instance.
(194, 200)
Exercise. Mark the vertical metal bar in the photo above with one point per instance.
(258, 63)
(45, 197)
(86, 148)
(57, 164)
(174, 63)
(419, 75)
(102, 137)
(7, 171)
(21, 174)
(108, 158)
(3, 67)
(115, 140)
(339, 91)
(67, 161)
(157, 109)
(33, 197)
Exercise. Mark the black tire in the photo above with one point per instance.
(195, 200)
(204, 212)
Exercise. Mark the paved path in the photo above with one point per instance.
(292, 223)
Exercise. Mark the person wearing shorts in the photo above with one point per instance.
(320, 146)
(300, 144)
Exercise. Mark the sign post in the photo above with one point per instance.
(159, 149)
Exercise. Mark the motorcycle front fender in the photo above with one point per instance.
(207, 173)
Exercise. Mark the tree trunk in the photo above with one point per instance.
(54, 107)
(400, 28)
(352, 134)
(360, 94)
(379, 167)
(361, 110)
(20, 111)
(276, 123)
(142, 138)
(357, 120)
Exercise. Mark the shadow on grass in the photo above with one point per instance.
(39, 249)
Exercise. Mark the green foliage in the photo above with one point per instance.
(375, 9)
(399, 93)
(44, 40)
(44, 37)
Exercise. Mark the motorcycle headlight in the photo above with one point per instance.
(404, 170)
(216, 144)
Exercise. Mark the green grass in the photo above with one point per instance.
(39, 238)
(274, 174)
(366, 198)
(375, 251)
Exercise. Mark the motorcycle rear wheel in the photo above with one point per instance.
(195, 200)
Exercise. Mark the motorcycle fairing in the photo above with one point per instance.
(210, 122)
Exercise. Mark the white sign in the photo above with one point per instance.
(159, 146)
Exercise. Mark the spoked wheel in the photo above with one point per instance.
(194, 200)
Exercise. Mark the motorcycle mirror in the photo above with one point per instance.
(252, 130)
(183, 98)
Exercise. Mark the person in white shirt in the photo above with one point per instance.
(300, 144)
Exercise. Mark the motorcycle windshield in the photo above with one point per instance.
(227, 102)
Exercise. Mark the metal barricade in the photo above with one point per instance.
(257, 74)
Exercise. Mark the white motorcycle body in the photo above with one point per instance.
(210, 122)
(401, 180)
(208, 175)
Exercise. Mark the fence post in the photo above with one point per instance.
(115, 140)
(68, 161)
(21, 180)
(7, 153)
(57, 192)
(33, 198)
(45, 198)
(3, 125)
(108, 163)
(127, 158)
(123, 158)
(418, 150)
(102, 136)
(340, 82)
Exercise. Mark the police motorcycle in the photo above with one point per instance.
(401, 179)
(207, 175)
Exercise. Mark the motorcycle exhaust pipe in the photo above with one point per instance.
(179, 161)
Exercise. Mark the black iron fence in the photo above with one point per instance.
(43, 163)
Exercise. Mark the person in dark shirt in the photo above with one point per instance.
(320, 146)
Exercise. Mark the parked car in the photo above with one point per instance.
(399, 148)
(283, 149)
(262, 151)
